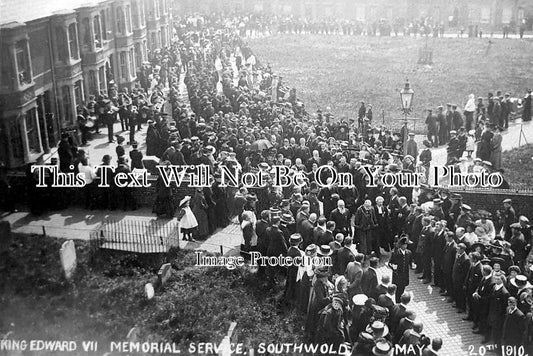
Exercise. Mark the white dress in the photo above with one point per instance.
(188, 221)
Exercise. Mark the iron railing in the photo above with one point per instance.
(140, 236)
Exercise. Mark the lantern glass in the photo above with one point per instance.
(406, 96)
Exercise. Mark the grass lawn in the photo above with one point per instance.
(340, 71)
(518, 165)
(106, 299)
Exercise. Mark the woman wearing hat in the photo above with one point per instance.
(186, 219)
(199, 208)
(248, 231)
(518, 244)
(331, 324)
(318, 299)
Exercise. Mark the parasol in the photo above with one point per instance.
(261, 145)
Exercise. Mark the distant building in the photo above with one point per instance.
(487, 13)
(55, 53)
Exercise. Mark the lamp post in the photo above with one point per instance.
(406, 96)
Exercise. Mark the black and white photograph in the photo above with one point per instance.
(266, 177)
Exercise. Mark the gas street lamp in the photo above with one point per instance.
(406, 96)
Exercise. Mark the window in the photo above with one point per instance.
(15, 138)
(131, 64)
(142, 13)
(145, 50)
(97, 32)
(128, 19)
(507, 15)
(62, 49)
(86, 25)
(93, 86)
(6, 71)
(103, 24)
(120, 21)
(23, 62)
(32, 131)
(485, 15)
(78, 93)
(163, 36)
(153, 42)
(101, 78)
(73, 41)
(138, 55)
(123, 65)
(157, 9)
(135, 13)
(67, 104)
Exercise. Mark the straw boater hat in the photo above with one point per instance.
(325, 250)
(382, 348)
(360, 299)
(378, 329)
(184, 200)
(295, 239)
(521, 282)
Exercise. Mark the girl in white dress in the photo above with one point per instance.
(186, 219)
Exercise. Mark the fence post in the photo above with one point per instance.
(44, 231)
(221, 250)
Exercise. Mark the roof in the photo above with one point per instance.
(29, 10)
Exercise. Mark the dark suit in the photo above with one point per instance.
(398, 313)
(447, 266)
(325, 239)
(381, 289)
(342, 222)
(481, 305)
(292, 286)
(497, 308)
(382, 234)
(318, 235)
(471, 283)
(369, 282)
(400, 275)
(402, 326)
(438, 244)
(513, 328)
(354, 275)
(276, 242)
(343, 256)
(262, 239)
(306, 230)
(461, 267)
(386, 302)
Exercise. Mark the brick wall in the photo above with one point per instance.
(491, 200)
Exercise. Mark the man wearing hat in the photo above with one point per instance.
(460, 270)
(292, 286)
(431, 122)
(412, 147)
(457, 118)
(443, 127)
(508, 217)
(453, 147)
(400, 262)
(276, 246)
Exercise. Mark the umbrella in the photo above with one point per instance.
(261, 145)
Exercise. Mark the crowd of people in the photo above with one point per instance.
(242, 115)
